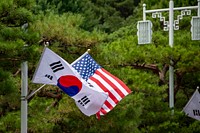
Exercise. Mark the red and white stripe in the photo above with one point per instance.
(106, 82)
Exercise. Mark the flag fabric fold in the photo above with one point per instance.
(192, 108)
(102, 80)
(54, 70)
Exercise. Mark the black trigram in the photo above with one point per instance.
(56, 66)
(90, 84)
(196, 112)
(85, 100)
(49, 76)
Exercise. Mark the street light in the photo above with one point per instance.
(171, 25)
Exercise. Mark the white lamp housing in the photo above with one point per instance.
(195, 29)
(144, 32)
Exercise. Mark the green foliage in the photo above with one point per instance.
(8, 124)
(64, 31)
(109, 29)
(9, 94)
(7, 84)
(15, 13)
(105, 15)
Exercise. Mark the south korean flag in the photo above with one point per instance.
(192, 108)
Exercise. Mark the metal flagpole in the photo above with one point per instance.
(24, 91)
(30, 95)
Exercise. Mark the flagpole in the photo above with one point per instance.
(80, 57)
(30, 95)
(24, 91)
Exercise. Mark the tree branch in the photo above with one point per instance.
(10, 59)
(154, 68)
(162, 74)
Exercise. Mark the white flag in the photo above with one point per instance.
(192, 108)
(54, 70)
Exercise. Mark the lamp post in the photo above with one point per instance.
(144, 33)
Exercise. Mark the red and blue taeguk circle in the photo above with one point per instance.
(71, 85)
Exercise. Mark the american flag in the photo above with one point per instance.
(102, 80)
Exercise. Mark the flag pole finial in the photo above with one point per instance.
(88, 50)
(198, 89)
